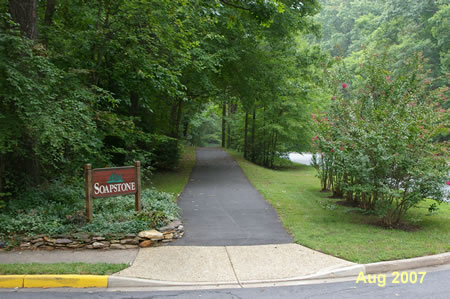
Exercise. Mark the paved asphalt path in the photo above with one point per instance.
(220, 206)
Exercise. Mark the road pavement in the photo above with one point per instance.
(433, 286)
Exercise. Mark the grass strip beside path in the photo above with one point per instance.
(318, 222)
(61, 268)
(173, 181)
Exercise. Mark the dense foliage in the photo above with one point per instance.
(108, 82)
(400, 27)
(375, 143)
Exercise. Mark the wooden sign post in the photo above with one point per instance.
(88, 188)
(137, 195)
(115, 181)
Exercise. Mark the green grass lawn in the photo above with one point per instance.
(61, 268)
(316, 221)
(174, 181)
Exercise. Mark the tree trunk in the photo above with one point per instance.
(24, 13)
(246, 136)
(264, 160)
(274, 147)
(49, 12)
(101, 46)
(173, 119)
(2, 170)
(179, 116)
(48, 19)
(229, 126)
(253, 134)
(95, 46)
(134, 99)
(224, 122)
(185, 128)
(32, 163)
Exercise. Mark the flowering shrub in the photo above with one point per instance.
(375, 143)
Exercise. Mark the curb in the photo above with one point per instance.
(384, 267)
(350, 271)
(53, 281)
(106, 281)
(121, 281)
(413, 263)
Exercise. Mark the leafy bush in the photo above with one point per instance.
(375, 143)
(125, 142)
(167, 152)
(59, 210)
(46, 122)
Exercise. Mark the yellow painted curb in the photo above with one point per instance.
(11, 281)
(65, 281)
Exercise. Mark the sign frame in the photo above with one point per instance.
(89, 186)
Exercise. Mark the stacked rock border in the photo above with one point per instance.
(148, 238)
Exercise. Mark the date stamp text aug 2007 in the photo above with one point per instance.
(397, 278)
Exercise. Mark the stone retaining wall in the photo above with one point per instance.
(168, 233)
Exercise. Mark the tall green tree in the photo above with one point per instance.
(111, 81)
(401, 28)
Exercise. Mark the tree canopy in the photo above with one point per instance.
(399, 28)
(108, 82)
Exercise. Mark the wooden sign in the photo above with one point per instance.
(115, 181)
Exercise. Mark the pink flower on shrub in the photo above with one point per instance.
(448, 183)
(333, 98)
(422, 127)
(442, 110)
(388, 79)
(344, 85)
